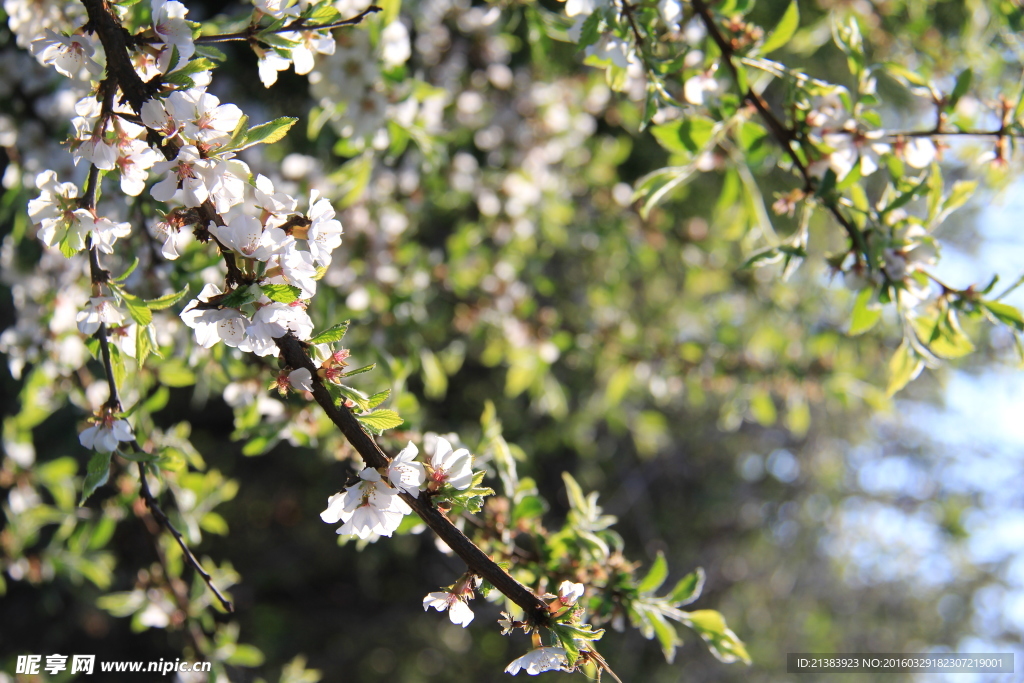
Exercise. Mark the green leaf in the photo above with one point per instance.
(136, 307)
(167, 300)
(666, 634)
(359, 371)
(1005, 313)
(864, 316)
(655, 576)
(377, 399)
(687, 589)
(667, 134)
(269, 132)
(904, 366)
(695, 132)
(784, 30)
(245, 655)
(241, 296)
(590, 32)
(943, 335)
(283, 294)
(96, 474)
(963, 84)
(958, 196)
(530, 507)
(143, 345)
(379, 420)
(331, 334)
(723, 643)
(131, 269)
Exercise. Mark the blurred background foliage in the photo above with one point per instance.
(724, 414)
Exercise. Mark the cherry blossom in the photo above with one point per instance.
(404, 473)
(101, 310)
(174, 32)
(540, 660)
(453, 468)
(187, 170)
(369, 507)
(215, 324)
(569, 592)
(459, 610)
(69, 55)
(106, 434)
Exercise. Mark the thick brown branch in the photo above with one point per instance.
(295, 355)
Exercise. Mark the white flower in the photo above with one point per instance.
(227, 180)
(275, 320)
(455, 468)
(57, 213)
(297, 269)
(404, 473)
(187, 169)
(211, 122)
(458, 609)
(671, 12)
(69, 55)
(274, 203)
(276, 8)
(309, 42)
(246, 235)
(105, 232)
(919, 152)
(369, 507)
(171, 27)
(541, 659)
(270, 62)
(105, 435)
(395, 49)
(101, 310)
(134, 161)
(215, 324)
(324, 230)
(697, 88)
(569, 592)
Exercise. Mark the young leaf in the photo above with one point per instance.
(904, 366)
(167, 300)
(377, 399)
(284, 294)
(359, 371)
(687, 589)
(720, 639)
(379, 420)
(269, 132)
(784, 30)
(655, 576)
(1005, 313)
(331, 334)
(963, 84)
(864, 317)
(131, 269)
(96, 474)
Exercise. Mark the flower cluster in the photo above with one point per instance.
(373, 506)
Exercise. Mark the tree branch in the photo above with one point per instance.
(297, 25)
(120, 69)
(783, 135)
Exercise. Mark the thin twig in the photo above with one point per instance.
(158, 513)
(783, 135)
(297, 25)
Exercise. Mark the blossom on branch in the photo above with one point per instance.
(370, 507)
(106, 434)
(448, 467)
(458, 609)
(540, 660)
(404, 473)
